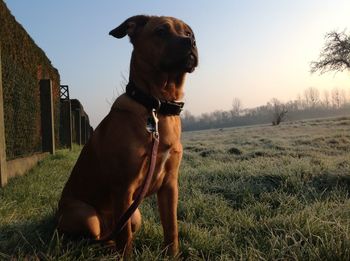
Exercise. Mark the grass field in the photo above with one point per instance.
(250, 193)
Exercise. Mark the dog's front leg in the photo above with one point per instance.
(167, 204)
(124, 238)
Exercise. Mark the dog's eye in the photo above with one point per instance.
(188, 34)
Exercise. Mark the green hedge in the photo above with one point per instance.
(23, 65)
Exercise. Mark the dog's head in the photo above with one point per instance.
(166, 43)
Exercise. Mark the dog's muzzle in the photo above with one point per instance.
(180, 56)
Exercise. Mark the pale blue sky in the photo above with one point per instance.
(253, 49)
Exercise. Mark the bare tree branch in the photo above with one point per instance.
(335, 55)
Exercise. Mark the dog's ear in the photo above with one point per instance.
(130, 26)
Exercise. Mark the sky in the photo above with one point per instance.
(253, 50)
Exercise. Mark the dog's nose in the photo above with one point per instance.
(193, 42)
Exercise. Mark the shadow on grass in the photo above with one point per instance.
(27, 237)
(328, 182)
(40, 240)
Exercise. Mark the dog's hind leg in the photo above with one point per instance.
(77, 218)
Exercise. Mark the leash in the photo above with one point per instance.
(152, 127)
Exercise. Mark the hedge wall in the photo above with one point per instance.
(23, 65)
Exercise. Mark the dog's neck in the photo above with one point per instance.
(161, 85)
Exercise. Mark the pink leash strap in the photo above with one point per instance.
(145, 186)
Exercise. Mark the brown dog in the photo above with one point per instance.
(113, 164)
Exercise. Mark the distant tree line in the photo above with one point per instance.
(310, 104)
(335, 56)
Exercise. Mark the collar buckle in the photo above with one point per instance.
(152, 123)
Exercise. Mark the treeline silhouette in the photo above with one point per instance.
(310, 104)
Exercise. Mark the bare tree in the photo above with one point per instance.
(279, 111)
(117, 92)
(344, 97)
(335, 55)
(300, 102)
(187, 116)
(312, 97)
(236, 107)
(336, 98)
(326, 99)
(216, 116)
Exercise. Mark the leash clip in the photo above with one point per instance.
(152, 124)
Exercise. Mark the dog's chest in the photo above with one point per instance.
(169, 145)
(164, 166)
(162, 158)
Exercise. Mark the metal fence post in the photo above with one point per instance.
(66, 126)
(3, 167)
